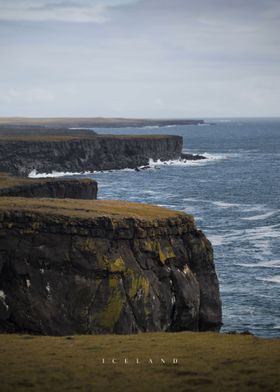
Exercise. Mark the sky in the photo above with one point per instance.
(140, 58)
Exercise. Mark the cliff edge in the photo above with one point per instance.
(103, 267)
(84, 188)
(45, 153)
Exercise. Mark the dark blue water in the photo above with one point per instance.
(235, 199)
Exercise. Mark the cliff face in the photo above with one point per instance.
(21, 155)
(104, 267)
(53, 188)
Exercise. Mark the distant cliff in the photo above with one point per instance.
(103, 267)
(67, 153)
(95, 122)
(81, 188)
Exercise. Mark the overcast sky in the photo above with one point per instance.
(140, 58)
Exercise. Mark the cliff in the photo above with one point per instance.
(20, 154)
(103, 267)
(52, 188)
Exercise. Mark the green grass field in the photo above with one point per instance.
(206, 362)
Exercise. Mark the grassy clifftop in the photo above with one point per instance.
(93, 122)
(7, 181)
(89, 208)
(206, 362)
(44, 137)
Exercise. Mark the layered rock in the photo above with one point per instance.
(50, 188)
(65, 153)
(103, 267)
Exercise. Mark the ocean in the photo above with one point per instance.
(234, 196)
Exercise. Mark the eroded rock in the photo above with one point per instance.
(49, 187)
(103, 267)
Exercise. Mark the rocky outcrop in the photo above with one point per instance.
(192, 157)
(21, 155)
(103, 267)
(50, 188)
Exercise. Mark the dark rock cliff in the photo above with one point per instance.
(67, 154)
(103, 267)
(54, 188)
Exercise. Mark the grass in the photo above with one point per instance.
(83, 121)
(44, 137)
(88, 208)
(8, 181)
(206, 362)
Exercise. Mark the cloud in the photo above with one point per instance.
(156, 58)
(57, 10)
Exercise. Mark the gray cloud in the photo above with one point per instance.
(142, 58)
(56, 10)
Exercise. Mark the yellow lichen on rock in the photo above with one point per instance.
(165, 253)
(111, 313)
(138, 283)
(118, 265)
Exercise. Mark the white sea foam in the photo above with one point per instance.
(150, 127)
(262, 264)
(54, 174)
(272, 279)
(260, 217)
(225, 205)
(166, 205)
(259, 237)
(216, 240)
(211, 158)
(191, 210)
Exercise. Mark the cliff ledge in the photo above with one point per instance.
(48, 187)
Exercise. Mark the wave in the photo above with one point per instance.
(260, 217)
(185, 162)
(55, 174)
(215, 239)
(241, 206)
(262, 264)
(225, 205)
(272, 279)
(259, 237)
(149, 127)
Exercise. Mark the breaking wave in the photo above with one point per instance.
(272, 279)
(210, 158)
(56, 174)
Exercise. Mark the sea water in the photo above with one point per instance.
(234, 196)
